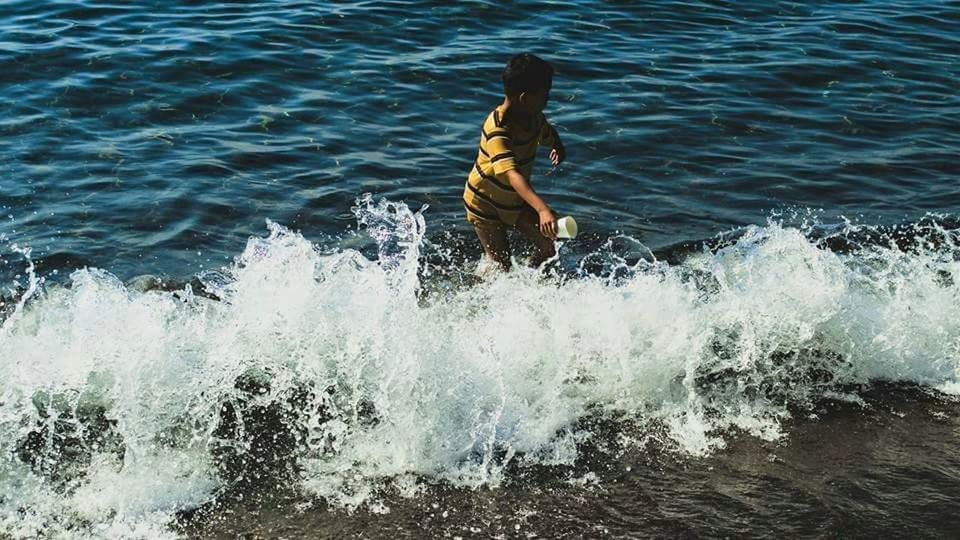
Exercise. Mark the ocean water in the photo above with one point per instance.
(239, 296)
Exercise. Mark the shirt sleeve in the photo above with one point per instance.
(501, 154)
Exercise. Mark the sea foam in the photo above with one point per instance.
(342, 374)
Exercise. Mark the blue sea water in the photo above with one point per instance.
(157, 137)
(811, 145)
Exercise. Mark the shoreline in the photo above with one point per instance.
(853, 471)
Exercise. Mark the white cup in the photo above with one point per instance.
(566, 227)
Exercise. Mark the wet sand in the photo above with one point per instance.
(888, 468)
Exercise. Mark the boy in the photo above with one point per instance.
(498, 194)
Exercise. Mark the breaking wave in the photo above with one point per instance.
(347, 374)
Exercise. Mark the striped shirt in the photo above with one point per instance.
(504, 145)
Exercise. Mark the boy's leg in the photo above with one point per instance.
(493, 238)
(529, 224)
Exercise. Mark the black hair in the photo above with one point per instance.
(526, 72)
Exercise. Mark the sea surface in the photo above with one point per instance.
(238, 296)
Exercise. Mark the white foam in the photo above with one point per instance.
(450, 386)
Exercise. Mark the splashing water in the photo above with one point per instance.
(120, 407)
(33, 285)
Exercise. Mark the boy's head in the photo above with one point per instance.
(527, 80)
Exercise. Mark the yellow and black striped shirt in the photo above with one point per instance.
(504, 145)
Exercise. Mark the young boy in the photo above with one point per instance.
(498, 194)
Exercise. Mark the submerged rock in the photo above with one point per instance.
(263, 432)
(260, 436)
(149, 282)
(71, 427)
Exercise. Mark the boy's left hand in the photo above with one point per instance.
(557, 155)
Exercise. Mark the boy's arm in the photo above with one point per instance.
(549, 136)
(548, 220)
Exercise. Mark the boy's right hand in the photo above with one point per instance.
(557, 155)
(548, 223)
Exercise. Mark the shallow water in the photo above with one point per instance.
(208, 329)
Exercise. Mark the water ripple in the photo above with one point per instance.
(670, 112)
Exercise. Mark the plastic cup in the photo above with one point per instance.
(566, 227)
